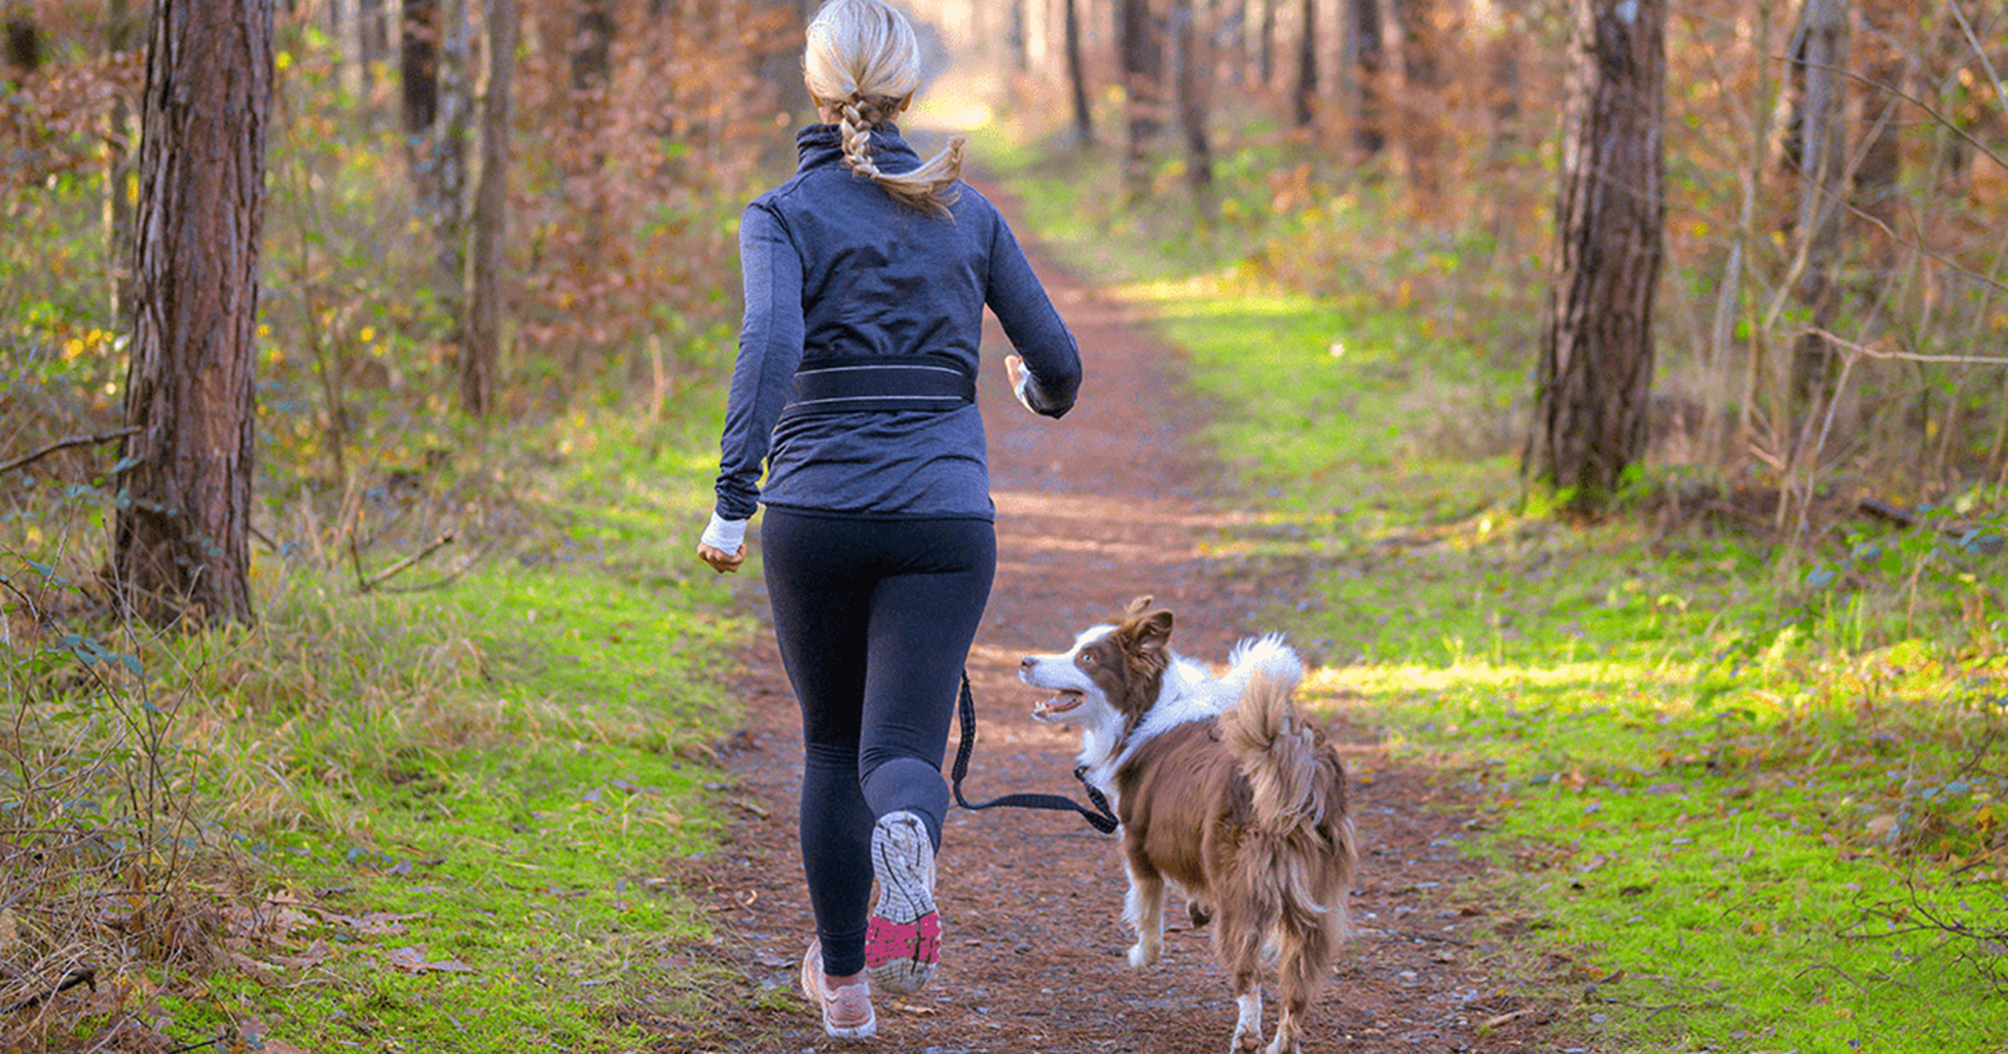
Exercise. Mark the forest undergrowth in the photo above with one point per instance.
(1742, 788)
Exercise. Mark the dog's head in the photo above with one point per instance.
(1110, 676)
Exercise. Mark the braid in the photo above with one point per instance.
(929, 188)
(858, 117)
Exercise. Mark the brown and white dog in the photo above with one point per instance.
(1224, 793)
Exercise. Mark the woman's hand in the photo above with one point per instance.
(1014, 370)
(721, 561)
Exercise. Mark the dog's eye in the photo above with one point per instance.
(1086, 659)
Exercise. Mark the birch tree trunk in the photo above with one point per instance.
(1595, 373)
(181, 539)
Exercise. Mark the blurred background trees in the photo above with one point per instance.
(453, 234)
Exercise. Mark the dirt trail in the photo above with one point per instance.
(1091, 511)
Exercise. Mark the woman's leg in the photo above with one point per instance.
(820, 598)
(924, 616)
(874, 619)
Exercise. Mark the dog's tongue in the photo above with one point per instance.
(1059, 704)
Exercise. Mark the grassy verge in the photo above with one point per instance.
(1741, 798)
(428, 820)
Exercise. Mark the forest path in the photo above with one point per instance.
(1109, 503)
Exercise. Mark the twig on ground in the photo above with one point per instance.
(85, 975)
(405, 564)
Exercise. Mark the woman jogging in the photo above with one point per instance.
(866, 276)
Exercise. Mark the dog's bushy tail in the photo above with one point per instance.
(1302, 829)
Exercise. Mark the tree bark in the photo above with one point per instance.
(24, 38)
(592, 46)
(1077, 78)
(1595, 374)
(481, 334)
(1882, 146)
(1195, 75)
(418, 66)
(1422, 95)
(1265, 44)
(181, 539)
(120, 33)
(1821, 68)
(1305, 96)
(1365, 57)
(1143, 79)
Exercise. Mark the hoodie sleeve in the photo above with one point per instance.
(1036, 332)
(770, 349)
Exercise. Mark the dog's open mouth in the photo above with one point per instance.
(1065, 700)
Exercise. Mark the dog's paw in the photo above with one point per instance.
(1246, 1041)
(1143, 958)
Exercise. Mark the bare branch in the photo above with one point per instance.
(64, 444)
(387, 573)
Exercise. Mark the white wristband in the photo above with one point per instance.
(1027, 391)
(724, 535)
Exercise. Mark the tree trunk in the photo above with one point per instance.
(418, 66)
(1365, 57)
(592, 47)
(374, 30)
(1143, 79)
(481, 334)
(1821, 68)
(1595, 373)
(1195, 75)
(1882, 154)
(181, 540)
(1265, 44)
(120, 33)
(1305, 96)
(1077, 78)
(1422, 96)
(24, 39)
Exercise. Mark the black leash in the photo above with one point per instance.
(1102, 817)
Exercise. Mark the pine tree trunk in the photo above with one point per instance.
(1422, 96)
(1595, 373)
(181, 540)
(1195, 76)
(1305, 96)
(121, 32)
(1143, 77)
(481, 335)
(418, 66)
(24, 39)
(1823, 160)
(1077, 78)
(1365, 57)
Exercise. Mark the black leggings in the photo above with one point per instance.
(874, 619)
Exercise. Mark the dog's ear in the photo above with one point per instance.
(1139, 605)
(1151, 632)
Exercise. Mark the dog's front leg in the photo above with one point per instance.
(1143, 910)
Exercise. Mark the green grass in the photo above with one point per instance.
(444, 819)
(1737, 798)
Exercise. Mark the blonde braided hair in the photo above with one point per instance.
(863, 62)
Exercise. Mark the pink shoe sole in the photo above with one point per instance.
(903, 938)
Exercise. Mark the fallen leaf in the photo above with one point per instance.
(413, 960)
